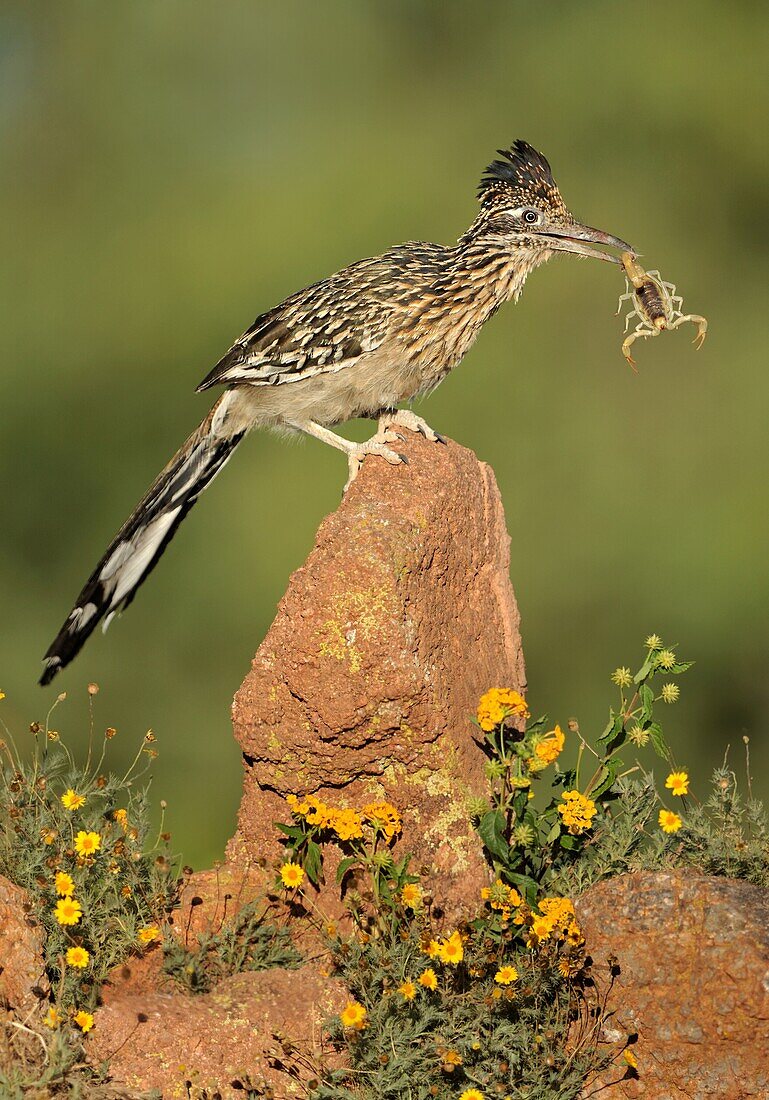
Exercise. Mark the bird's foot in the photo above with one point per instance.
(375, 446)
(405, 418)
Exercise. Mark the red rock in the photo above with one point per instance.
(22, 969)
(363, 689)
(693, 952)
(254, 1029)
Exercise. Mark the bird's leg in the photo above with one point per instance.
(405, 418)
(355, 452)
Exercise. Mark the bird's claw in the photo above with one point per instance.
(375, 446)
(405, 418)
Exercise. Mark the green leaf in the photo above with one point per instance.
(646, 695)
(539, 725)
(660, 745)
(614, 734)
(679, 667)
(491, 829)
(569, 842)
(313, 862)
(554, 833)
(609, 725)
(294, 831)
(344, 867)
(606, 777)
(645, 668)
(528, 886)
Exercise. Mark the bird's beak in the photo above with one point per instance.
(571, 238)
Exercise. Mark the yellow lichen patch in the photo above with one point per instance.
(355, 616)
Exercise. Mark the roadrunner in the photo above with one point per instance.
(358, 344)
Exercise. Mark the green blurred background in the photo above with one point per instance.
(171, 168)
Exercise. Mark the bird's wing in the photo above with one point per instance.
(319, 330)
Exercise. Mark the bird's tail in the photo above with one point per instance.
(136, 549)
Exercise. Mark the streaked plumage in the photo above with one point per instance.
(372, 336)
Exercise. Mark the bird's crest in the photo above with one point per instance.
(522, 177)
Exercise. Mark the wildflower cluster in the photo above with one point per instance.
(499, 704)
(75, 839)
(485, 1014)
(530, 845)
(365, 836)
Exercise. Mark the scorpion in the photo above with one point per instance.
(655, 304)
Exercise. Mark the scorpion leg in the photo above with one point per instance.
(634, 313)
(700, 322)
(639, 330)
(629, 297)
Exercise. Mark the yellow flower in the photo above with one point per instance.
(568, 966)
(666, 658)
(320, 814)
(670, 693)
(68, 911)
(630, 1058)
(574, 934)
(501, 897)
(500, 703)
(407, 990)
(622, 677)
(346, 824)
(86, 844)
(64, 884)
(72, 801)
(669, 822)
(354, 1016)
(411, 895)
(542, 927)
(384, 816)
(428, 979)
(2, 695)
(577, 812)
(550, 749)
(471, 1094)
(52, 1018)
(653, 642)
(450, 950)
(678, 783)
(506, 975)
(451, 1057)
(292, 875)
(121, 816)
(297, 807)
(84, 1021)
(77, 956)
(560, 909)
(148, 934)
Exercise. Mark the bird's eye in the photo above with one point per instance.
(531, 217)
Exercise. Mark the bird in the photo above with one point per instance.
(360, 343)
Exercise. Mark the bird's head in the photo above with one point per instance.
(521, 204)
